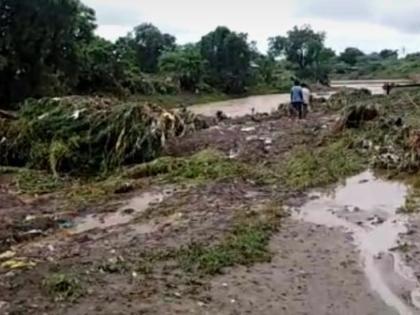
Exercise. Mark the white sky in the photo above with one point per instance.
(368, 24)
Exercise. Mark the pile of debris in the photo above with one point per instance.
(347, 97)
(353, 116)
(89, 134)
(388, 129)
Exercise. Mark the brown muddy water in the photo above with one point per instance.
(366, 208)
(268, 103)
(123, 215)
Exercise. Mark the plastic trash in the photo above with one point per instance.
(17, 264)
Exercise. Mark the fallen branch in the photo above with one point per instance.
(8, 115)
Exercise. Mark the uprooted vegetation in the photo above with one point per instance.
(328, 164)
(220, 213)
(203, 166)
(387, 129)
(88, 135)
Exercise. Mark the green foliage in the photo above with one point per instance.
(86, 134)
(228, 56)
(305, 50)
(246, 244)
(32, 182)
(307, 169)
(41, 45)
(203, 166)
(149, 43)
(63, 287)
(350, 55)
(382, 65)
(185, 64)
(388, 53)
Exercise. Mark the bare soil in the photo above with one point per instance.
(313, 270)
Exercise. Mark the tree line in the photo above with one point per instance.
(48, 47)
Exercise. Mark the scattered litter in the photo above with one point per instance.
(376, 220)
(233, 153)
(221, 115)
(201, 304)
(134, 274)
(128, 211)
(248, 129)
(65, 224)
(30, 218)
(7, 255)
(34, 232)
(17, 264)
(252, 138)
(124, 188)
(76, 114)
(268, 141)
(233, 301)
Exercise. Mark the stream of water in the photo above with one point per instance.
(268, 103)
(366, 208)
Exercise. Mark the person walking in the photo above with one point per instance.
(306, 99)
(296, 99)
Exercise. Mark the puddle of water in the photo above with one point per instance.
(356, 207)
(122, 216)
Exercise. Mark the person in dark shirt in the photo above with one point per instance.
(296, 98)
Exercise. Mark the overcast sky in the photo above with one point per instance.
(368, 24)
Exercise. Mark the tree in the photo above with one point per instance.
(228, 58)
(277, 46)
(149, 44)
(351, 55)
(100, 68)
(40, 46)
(304, 49)
(388, 54)
(185, 64)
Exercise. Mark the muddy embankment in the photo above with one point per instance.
(238, 218)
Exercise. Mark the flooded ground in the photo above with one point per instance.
(125, 214)
(269, 103)
(140, 252)
(366, 208)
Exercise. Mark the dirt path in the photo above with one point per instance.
(157, 249)
(316, 271)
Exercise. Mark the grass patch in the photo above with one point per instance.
(326, 165)
(33, 182)
(247, 245)
(81, 194)
(412, 200)
(203, 166)
(63, 287)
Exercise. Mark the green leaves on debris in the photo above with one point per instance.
(87, 135)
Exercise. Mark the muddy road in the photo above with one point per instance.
(229, 233)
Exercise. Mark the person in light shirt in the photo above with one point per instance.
(306, 99)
